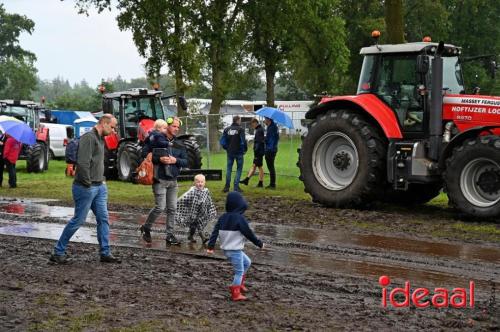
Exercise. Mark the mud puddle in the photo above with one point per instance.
(353, 264)
(280, 234)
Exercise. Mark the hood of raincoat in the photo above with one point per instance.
(235, 203)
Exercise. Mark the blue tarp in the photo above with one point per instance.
(68, 117)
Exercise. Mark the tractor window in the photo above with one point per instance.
(147, 107)
(396, 84)
(452, 76)
(21, 113)
(364, 85)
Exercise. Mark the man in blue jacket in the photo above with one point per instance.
(271, 146)
(234, 142)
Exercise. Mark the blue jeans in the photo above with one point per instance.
(239, 168)
(240, 262)
(165, 192)
(94, 198)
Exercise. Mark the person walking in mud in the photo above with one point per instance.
(169, 156)
(90, 192)
(195, 209)
(258, 154)
(271, 146)
(234, 142)
(233, 229)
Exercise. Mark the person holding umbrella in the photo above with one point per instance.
(271, 149)
(258, 152)
(10, 154)
(272, 116)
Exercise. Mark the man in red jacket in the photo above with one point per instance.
(11, 150)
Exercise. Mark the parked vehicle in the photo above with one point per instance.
(36, 155)
(136, 111)
(409, 132)
(60, 135)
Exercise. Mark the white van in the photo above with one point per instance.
(60, 135)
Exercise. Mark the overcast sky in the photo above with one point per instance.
(77, 47)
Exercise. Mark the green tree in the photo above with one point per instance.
(437, 25)
(270, 38)
(475, 27)
(162, 34)
(320, 56)
(17, 70)
(220, 27)
(394, 21)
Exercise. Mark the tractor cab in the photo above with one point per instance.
(400, 76)
(135, 109)
(22, 110)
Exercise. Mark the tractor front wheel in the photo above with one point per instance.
(472, 177)
(128, 160)
(36, 158)
(342, 160)
(193, 151)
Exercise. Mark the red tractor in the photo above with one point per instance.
(136, 111)
(37, 155)
(409, 132)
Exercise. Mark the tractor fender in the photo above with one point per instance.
(369, 104)
(459, 139)
(42, 134)
(112, 141)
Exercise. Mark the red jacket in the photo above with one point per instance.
(11, 150)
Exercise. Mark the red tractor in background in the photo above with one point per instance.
(409, 132)
(36, 155)
(136, 111)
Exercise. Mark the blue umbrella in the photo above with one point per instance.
(276, 115)
(19, 130)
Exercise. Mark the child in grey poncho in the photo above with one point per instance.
(195, 209)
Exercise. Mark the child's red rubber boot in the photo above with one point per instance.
(236, 293)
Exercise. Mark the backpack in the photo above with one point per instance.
(223, 140)
(145, 171)
(71, 153)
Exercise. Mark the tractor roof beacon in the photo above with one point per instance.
(410, 131)
(36, 155)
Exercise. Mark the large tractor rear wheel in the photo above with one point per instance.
(129, 155)
(472, 177)
(36, 158)
(342, 160)
(193, 151)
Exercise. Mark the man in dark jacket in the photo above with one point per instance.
(258, 154)
(234, 142)
(90, 191)
(271, 143)
(169, 156)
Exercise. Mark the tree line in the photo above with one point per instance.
(257, 49)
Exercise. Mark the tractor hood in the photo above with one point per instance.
(468, 111)
(145, 127)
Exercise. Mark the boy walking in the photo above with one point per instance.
(233, 229)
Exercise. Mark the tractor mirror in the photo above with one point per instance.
(183, 103)
(423, 64)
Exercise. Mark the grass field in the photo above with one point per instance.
(54, 184)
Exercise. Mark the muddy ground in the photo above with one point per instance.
(334, 287)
